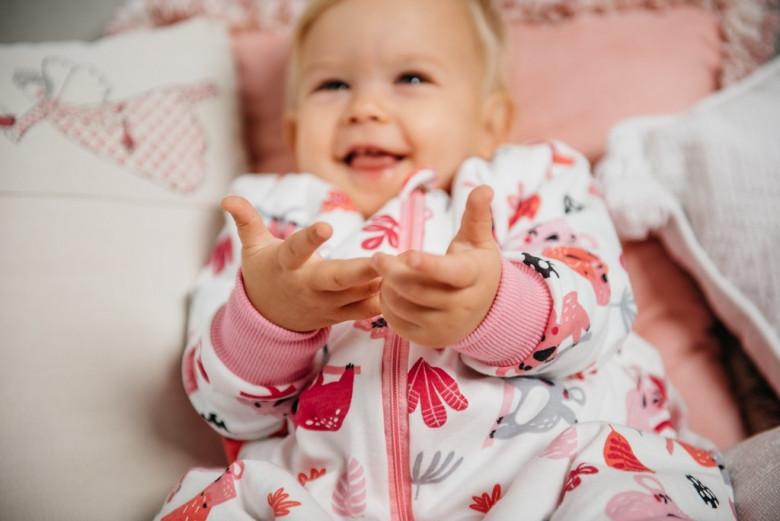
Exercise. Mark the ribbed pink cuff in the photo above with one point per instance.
(515, 323)
(256, 349)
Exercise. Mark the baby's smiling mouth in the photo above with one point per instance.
(371, 158)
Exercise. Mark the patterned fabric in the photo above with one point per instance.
(355, 421)
(156, 134)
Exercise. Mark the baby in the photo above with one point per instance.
(426, 325)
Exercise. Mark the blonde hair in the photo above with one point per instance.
(488, 25)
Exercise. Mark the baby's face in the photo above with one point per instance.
(386, 87)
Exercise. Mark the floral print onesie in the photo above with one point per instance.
(550, 409)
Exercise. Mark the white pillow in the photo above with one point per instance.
(707, 181)
(114, 156)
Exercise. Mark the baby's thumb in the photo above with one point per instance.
(476, 225)
(251, 229)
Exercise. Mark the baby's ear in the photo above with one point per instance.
(497, 121)
(290, 129)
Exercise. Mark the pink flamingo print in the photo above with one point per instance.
(633, 505)
(573, 322)
(647, 406)
(586, 264)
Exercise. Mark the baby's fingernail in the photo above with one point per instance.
(414, 260)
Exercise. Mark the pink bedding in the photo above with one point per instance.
(674, 317)
(628, 58)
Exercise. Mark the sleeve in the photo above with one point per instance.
(241, 372)
(555, 232)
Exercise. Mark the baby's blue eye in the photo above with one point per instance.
(333, 85)
(412, 78)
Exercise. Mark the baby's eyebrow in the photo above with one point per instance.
(322, 65)
(419, 56)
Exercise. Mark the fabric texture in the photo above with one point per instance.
(114, 156)
(628, 63)
(707, 182)
(365, 413)
(754, 466)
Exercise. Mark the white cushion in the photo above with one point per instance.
(102, 234)
(707, 182)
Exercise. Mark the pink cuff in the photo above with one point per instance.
(516, 321)
(256, 349)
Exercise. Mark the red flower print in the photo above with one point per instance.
(485, 502)
(574, 479)
(279, 502)
(387, 228)
(377, 326)
(525, 208)
(313, 474)
(221, 255)
(337, 200)
(428, 385)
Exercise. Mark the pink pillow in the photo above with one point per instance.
(261, 57)
(574, 79)
(674, 317)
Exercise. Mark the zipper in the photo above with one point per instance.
(395, 365)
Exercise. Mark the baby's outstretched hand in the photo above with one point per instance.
(438, 300)
(290, 284)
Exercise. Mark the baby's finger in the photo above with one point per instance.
(385, 264)
(251, 229)
(397, 300)
(476, 226)
(340, 274)
(302, 244)
(360, 310)
(454, 270)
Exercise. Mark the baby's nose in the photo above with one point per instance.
(365, 109)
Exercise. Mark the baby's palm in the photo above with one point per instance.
(291, 285)
(438, 300)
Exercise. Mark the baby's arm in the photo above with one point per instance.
(241, 370)
(553, 229)
(562, 282)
